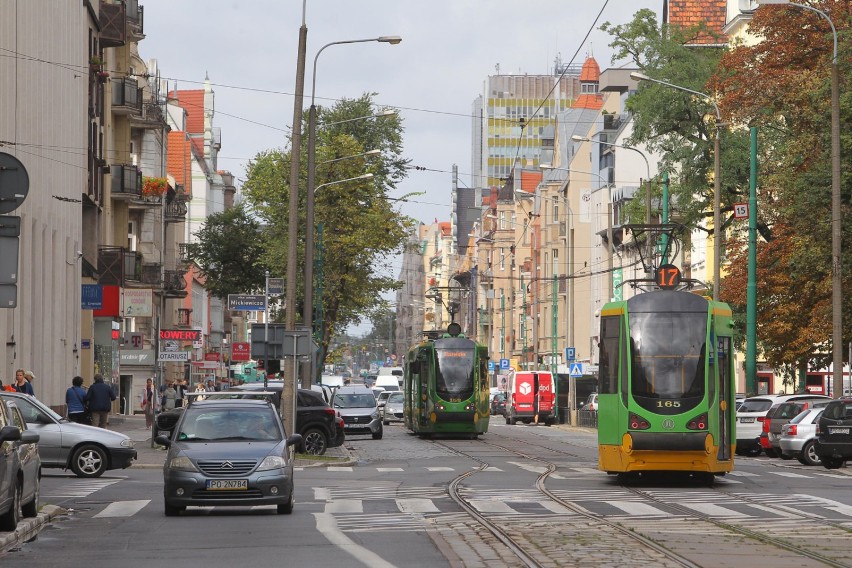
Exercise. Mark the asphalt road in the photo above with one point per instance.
(393, 508)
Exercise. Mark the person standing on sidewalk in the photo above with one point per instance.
(74, 397)
(150, 402)
(21, 384)
(99, 398)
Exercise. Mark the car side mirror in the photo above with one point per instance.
(30, 437)
(163, 441)
(294, 440)
(10, 434)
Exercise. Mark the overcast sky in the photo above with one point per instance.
(449, 47)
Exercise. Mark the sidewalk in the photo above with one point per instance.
(153, 458)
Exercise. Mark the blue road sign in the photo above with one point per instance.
(570, 353)
(491, 366)
(504, 365)
(575, 370)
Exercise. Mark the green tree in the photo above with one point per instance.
(229, 253)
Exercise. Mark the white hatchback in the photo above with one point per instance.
(750, 417)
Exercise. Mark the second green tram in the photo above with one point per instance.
(446, 386)
(666, 385)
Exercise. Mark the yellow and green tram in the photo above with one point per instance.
(446, 386)
(666, 385)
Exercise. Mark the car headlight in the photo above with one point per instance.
(272, 462)
(182, 463)
(374, 415)
(127, 443)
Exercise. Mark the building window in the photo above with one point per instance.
(502, 258)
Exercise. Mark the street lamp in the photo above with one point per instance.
(309, 201)
(368, 154)
(717, 177)
(836, 269)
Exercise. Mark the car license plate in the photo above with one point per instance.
(227, 484)
(746, 420)
(838, 430)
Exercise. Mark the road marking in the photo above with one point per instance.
(789, 474)
(327, 525)
(555, 507)
(345, 506)
(417, 506)
(713, 510)
(322, 494)
(123, 508)
(440, 469)
(489, 506)
(633, 508)
(491, 468)
(743, 474)
(339, 468)
(80, 488)
(388, 469)
(832, 505)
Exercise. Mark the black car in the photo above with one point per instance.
(316, 421)
(498, 404)
(834, 433)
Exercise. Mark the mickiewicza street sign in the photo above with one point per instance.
(246, 302)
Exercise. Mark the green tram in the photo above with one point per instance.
(666, 385)
(446, 386)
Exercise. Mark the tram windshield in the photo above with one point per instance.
(668, 351)
(454, 373)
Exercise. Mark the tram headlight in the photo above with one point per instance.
(470, 406)
(439, 406)
(697, 423)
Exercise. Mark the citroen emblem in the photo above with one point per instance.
(668, 424)
(227, 465)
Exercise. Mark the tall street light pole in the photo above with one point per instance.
(717, 177)
(836, 219)
(309, 201)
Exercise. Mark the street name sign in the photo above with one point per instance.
(247, 302)
(174, 356)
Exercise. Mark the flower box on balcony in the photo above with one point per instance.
(154, 186)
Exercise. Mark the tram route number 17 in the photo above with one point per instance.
(668, 276)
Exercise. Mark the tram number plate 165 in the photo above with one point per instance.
(838, 430)
(227, 484)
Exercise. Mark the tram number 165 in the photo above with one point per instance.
(668, 276)
(668, 404)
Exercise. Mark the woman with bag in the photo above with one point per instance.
(169, 396)
(74, 397)
(150, 402)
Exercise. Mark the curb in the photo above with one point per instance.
(28, 529)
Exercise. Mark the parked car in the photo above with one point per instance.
(798, 437)
(393, 410)
(228, 452)
(498, 404)
(750, 418)
(785, 412)
(20, 468)
(360, 411)
(834, 433)
(87, 450)
(318, 424)
(591, 403)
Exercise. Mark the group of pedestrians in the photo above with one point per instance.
(23, 383)
(92, 405)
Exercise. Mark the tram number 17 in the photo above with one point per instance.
(668, 276)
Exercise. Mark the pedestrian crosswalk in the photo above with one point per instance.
(78, 488)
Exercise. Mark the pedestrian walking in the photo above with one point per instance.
(180, 388)
(199, 388)
(150, 402)
(99, 400)
(21, 384)
(74, 402)
(169, 396)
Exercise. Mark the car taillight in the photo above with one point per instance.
(329, 411)
(697, 423)
(792, 429)
(638, 423)
(766, 423)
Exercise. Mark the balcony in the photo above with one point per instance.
(174, 284)
(151, 117)
(176, 209)
(135, 20)
(126, 181)
(113, 24)
(126, 97)
(117, 266)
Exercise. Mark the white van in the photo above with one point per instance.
(392, 372)
(388, 382)
(333, 381)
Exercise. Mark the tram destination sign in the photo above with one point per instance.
(180, 334)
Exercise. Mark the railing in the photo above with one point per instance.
(176, 210)
(117, 265)
(135, 19)
(126, 96)
(587, 418)
(173, 280)
(126, 180)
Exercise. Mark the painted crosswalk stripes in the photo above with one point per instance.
(78, 488)
(123, 508)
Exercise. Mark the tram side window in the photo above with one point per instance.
(608, 368)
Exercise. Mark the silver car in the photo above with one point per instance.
(87, 450)
(228, 452)
(360, 412)
(798, 437)
(393, 410)
(20, 469)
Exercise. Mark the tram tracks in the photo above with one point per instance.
(497, 526)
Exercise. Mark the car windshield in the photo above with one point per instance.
(211, 424)
(395, 397)
(759, 405)
(32, 409)
(354, 400)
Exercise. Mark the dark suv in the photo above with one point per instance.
(316, 421)
(834, 433)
